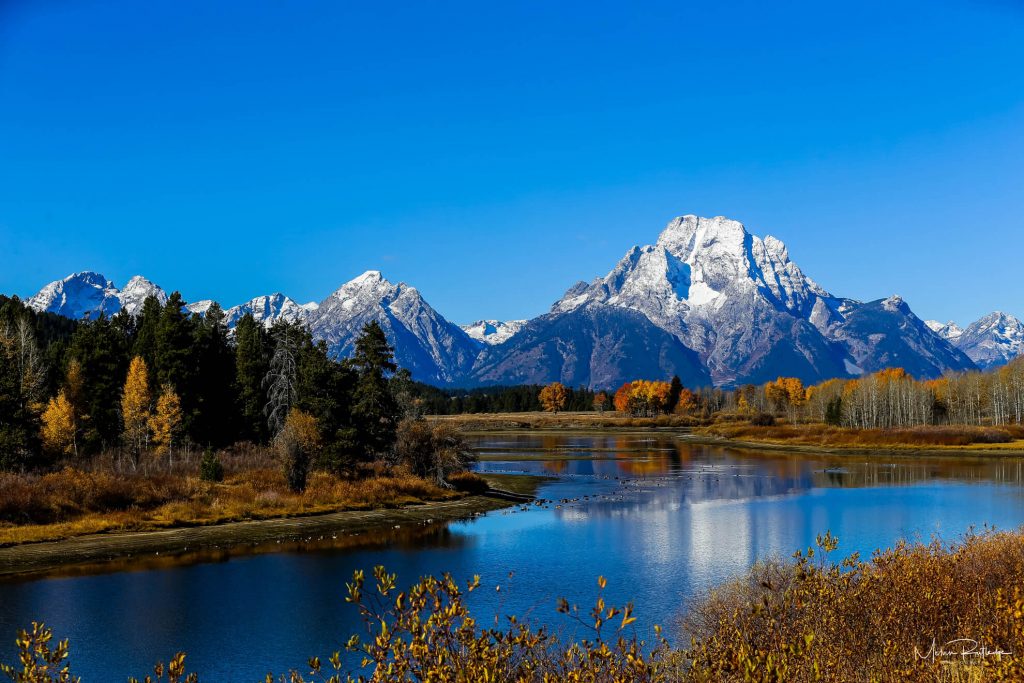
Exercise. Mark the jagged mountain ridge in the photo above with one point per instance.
(493, 332)
(751, 313)
(992, 340)
(88, 295)
(708, 301)
(429, 346)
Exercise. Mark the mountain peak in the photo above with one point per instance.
(86, 294)
(493, 331)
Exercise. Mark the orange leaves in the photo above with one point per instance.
(642, 397)
(553, 397)
(785, 392)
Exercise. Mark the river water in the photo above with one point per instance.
(661, 519)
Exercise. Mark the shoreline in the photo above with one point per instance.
(810, 449)
(127, 551)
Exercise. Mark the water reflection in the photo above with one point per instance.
(662, 519)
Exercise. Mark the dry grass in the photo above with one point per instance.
(863, 620)
(1010, 437)
(74, 502)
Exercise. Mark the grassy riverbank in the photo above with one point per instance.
(71, 503)
(120, 550)
(996, 441)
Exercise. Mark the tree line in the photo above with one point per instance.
(165, 382)
(893, 398)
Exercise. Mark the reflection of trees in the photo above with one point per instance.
(556, 466)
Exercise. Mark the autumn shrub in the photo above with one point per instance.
(433, 451)
(468, 482)
(763, 420)
(813, 619)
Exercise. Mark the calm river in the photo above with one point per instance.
(661, 519)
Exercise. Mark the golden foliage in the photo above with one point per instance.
(58, 430)
(165, 422)
(553, 397)
(135, 405)
(302, 427)
(870, 620)
(642, 397)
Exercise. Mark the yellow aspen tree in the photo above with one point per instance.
(135, 408)
(553, 397)
(58, 430)
(164, 423)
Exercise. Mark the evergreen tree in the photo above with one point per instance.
(22, 378)
(144, 342)
(374, 408)
(175, 357)
(100, 351)
(675, 389)
(252, 362)
(215, 422)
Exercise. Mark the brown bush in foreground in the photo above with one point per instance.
(871, 620)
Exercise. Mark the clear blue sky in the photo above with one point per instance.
(492, 154)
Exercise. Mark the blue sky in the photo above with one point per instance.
(492, 154)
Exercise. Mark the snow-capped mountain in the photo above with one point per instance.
(87, 294)
(995, 339)
(493, 331)
(751, 314)
(432, 348)
(135, 293)
(269, 309)
(707, 301)
(200, 307)
(949, 331)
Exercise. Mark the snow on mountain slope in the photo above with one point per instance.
(200, 307)
(86, 295)
(268, 309)
(708, 301)
(134, 294)
(993, 340)
(493, 331)
(430, 347)
(82, 295)
(949, 331)
(749, 311)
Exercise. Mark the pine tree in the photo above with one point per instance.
(58, 430)
(100, 351)
(215, 415)
(18, 421)
(674, 390)
(374, 408)
(135, 408)
(145, 341)
(165, 422)
(251, 366)
(175, 356)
